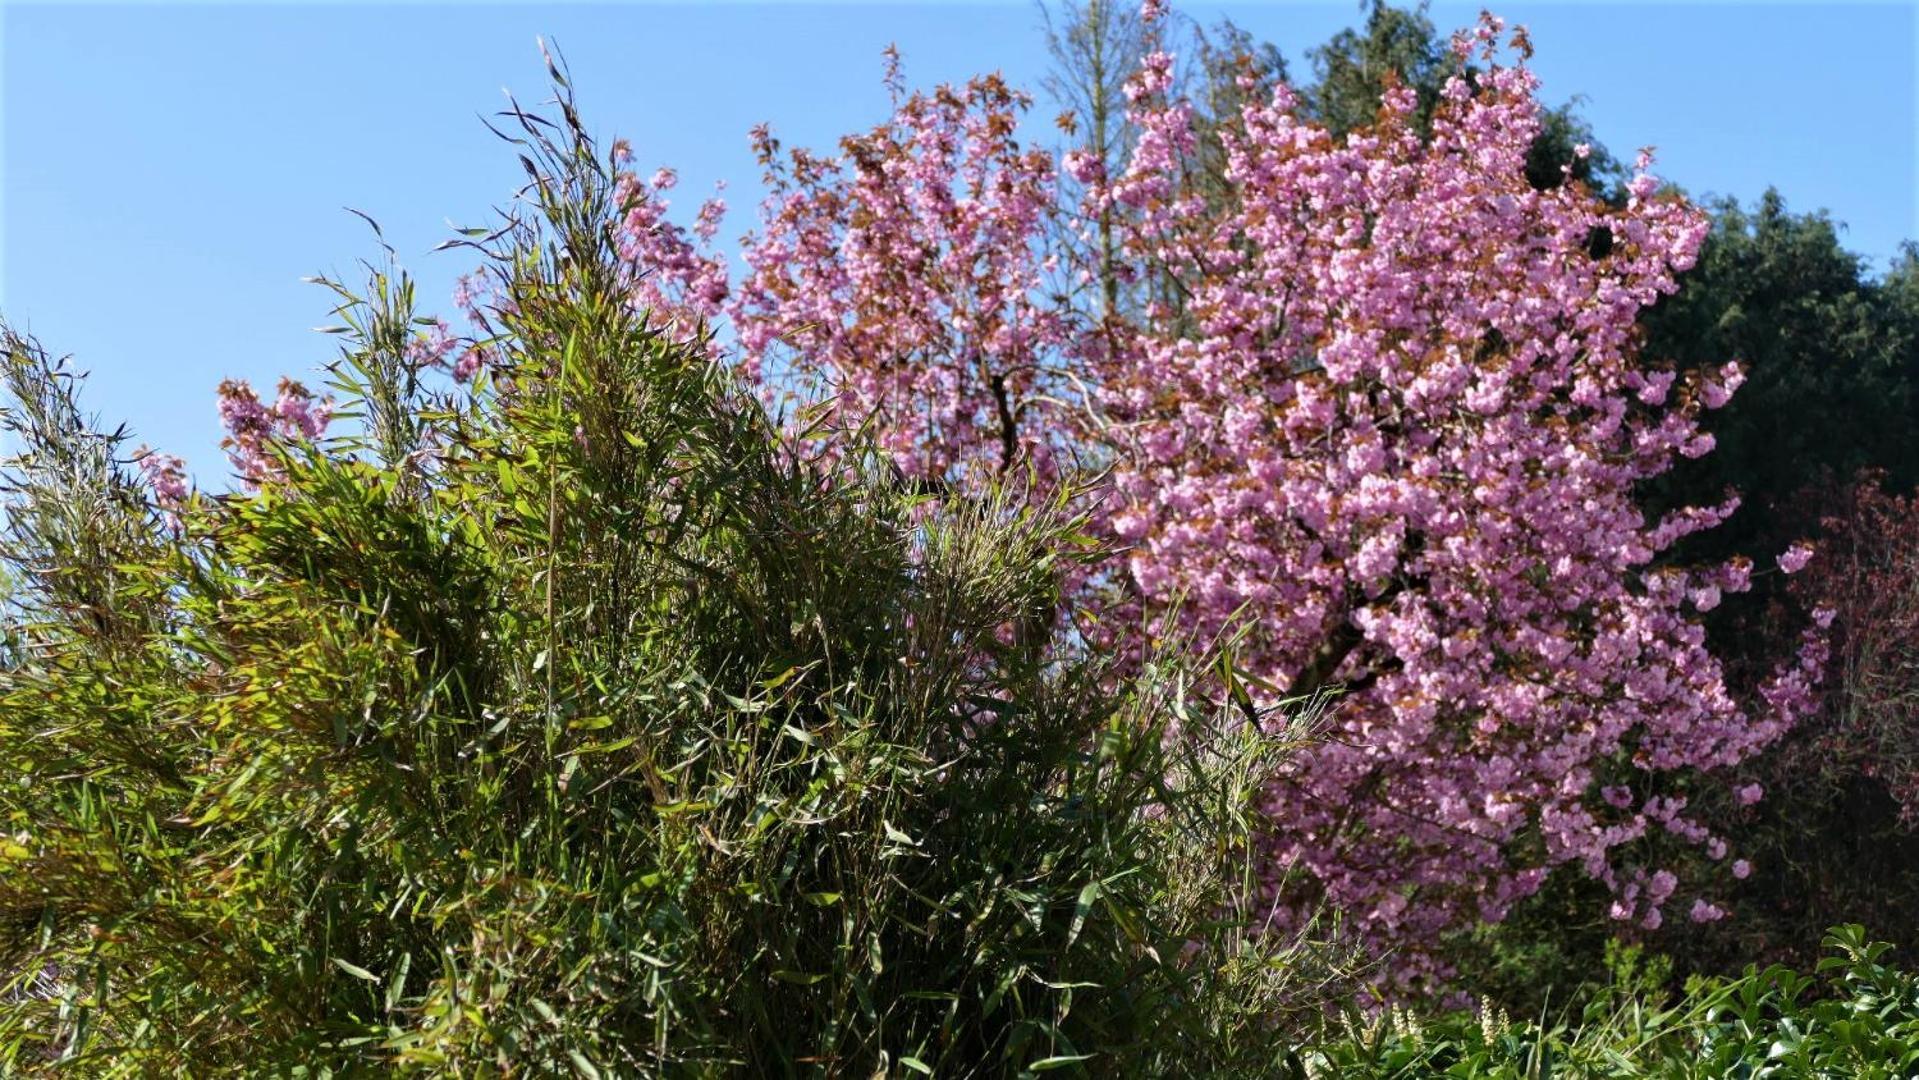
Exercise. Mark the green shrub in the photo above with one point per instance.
(1855, 1019)
(581, 724)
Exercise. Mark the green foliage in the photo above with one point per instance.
(1855, 1018)
(585, 725)
(1562, 130)
(1832, 356)
(1351, 69)
(1553, 950)
(1832, 359)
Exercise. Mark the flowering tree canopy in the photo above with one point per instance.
(905, 274)
(1391, 410)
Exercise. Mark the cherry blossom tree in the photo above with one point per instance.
(1385, 406)
(1393, 414)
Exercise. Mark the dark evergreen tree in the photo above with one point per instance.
(1831, 356)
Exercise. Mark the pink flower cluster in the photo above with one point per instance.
(677, 278)
(899, 281)
(436, 343)
(166, 477)
(253, 427)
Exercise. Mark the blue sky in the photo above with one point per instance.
(169, 172)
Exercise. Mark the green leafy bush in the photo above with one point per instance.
(1855, 1018)
(581, 724)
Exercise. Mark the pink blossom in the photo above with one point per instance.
(165, 475)
(1661, 886)
(1410, 527)
(1716, 391)
(1795, 558)
(900, 283)
(1703, 912)
(254, 429)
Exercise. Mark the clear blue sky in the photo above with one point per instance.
(170, 171)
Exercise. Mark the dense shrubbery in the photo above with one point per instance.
(1838, 836)
(1413, 427)
(1856, 1018)
(582, 724)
